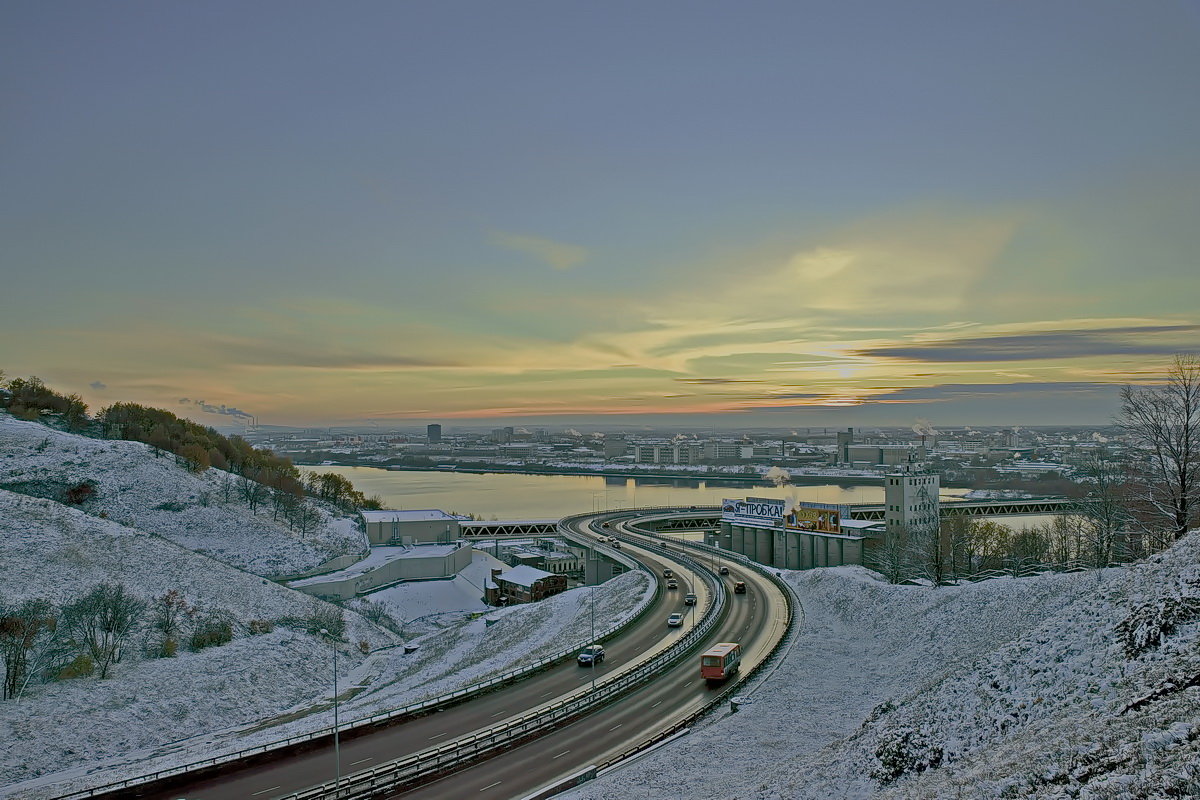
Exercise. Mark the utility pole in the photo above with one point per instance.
(337, 752)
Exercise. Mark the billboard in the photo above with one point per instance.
(816, 517)
(752, 511)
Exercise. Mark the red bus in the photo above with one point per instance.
(720, 661)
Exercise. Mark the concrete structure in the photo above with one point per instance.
(910, 496)
(387, 565)
(807, 535)
(523, 584)
(411, 527)
(433, 432)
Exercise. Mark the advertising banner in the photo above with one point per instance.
(752, 511)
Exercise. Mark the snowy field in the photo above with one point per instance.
(1007, 688)
(152, 494)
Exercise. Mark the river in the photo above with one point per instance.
(508, 496)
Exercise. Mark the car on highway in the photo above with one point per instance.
(615, 544)
(672, 584)
(724, 570)
(739, 587)
(667, 573)
(675, 620)
(689, 599)
(592, 654)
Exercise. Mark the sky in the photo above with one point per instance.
(737, 213)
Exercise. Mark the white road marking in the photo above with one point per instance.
(498, 713)
(264, 791)
(614, 727)
(656, 704)
(689, 683)
(440, 735)
(490, 785)
(361, 760)
(563, 753)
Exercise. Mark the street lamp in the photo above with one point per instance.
(593, 594)
(337, 752)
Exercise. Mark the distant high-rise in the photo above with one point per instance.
(434, 432)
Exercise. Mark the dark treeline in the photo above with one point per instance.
(195, 446)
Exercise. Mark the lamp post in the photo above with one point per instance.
(337, 751)
(593, 594)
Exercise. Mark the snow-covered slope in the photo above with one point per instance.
(152, 713)
(153, 494)
(1051, 687)
(51, 551)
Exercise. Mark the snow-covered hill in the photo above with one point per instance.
(260, 687)
(153, 494)
(1081, 685)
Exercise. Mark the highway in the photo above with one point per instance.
(755, 619)
(593, 738)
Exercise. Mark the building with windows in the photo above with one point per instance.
(910, 495)
(523, 584)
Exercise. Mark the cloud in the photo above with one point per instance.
(716, 381)
(265, 353)
(555, 254)
(98, 385)
(1044, 345)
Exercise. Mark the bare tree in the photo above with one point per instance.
(100, 622)
(927, 554)
(170, 611)
(24, 628)
(1164, 421)
(890, 555)
(251, 491)
(1104, 509)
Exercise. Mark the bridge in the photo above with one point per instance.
(976, 508)
(480, 529)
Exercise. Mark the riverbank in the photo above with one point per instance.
(712, 478)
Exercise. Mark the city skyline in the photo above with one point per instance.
(767, 214)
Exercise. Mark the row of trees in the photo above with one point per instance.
(41, 642)
(260, 475)
(28, 398)
(1130, 507)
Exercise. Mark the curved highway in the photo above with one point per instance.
(756, 619)
(751, 618)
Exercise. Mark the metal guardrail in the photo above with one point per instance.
(436, 760)
(380, 719)
(721, 698)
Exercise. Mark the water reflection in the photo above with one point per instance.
(508, 496)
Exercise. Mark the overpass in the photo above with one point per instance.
(479, 529)
(975, 508)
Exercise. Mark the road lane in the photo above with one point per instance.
(300, 770)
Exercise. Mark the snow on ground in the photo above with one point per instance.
(139, 489)
(52, 551)
(424, 606)
(153, 713)
(1006, 688)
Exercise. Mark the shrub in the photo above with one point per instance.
(212, 630)
(1150, 623)
(904, 751)
(258, 626)
(80, 667)
(80, 493)
(364, 646)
